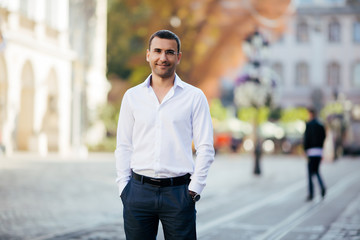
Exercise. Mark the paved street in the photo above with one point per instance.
(55, 198)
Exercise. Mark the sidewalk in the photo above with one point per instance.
(347, 226)
(62, 198)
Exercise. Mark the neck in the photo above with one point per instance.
(161, 86)
(162, 82)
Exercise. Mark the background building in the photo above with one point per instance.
(318, 58)
(318, 64)
(46, 78)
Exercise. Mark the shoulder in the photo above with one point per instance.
(196, 96)
(313, 122)
(194, 91)
(132, 95)
(133, 91)
(318, 122)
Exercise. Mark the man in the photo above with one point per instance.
(314, 138)
(157, 176)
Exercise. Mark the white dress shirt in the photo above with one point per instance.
(155, 139)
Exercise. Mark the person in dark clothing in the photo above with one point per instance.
(314, 138)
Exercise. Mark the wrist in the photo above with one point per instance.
(195, 196)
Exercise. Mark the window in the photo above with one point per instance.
(356, 75)
(278, 69)
(302, 32)
(302, 74)
(333, 74)
(334, 31)
(356, 31)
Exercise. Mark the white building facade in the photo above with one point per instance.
(40, 107)
(319, 57)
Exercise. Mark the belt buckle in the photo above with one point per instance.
(155, 182)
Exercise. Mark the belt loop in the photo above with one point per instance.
(142, 179)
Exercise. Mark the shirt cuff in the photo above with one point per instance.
(121, 186)
(195, 187)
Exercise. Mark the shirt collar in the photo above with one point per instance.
(177, 83)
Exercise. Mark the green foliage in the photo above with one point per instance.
(334, 108)
(254, 115)
(275, 114)
(108, 144)
(294, 114)
(131, 23)
(127, 35)
(109, 114)
(139, 74)
(217, 110)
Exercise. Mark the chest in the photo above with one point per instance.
(160, 93)
(176, 111)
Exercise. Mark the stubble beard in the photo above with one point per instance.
(167, 73)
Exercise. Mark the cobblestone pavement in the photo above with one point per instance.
(347, 226)
(42, 198)
(66, 199)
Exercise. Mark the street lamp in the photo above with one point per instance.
(254, 87)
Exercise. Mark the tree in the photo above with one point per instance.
(211, 32)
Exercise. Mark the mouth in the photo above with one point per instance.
(162, 63)
(163, 66)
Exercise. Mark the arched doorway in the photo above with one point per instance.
(51, 118)
(25, 120)
(3, 101)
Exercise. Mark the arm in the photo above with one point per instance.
(323, 134)
(203, 141)
(124, 147)
(306, 140)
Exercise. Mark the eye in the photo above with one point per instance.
(156, 50)
(170, 52)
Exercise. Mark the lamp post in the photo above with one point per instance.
(254, 86)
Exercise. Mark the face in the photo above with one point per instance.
(163, 57)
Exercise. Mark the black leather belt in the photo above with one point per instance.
(162, 182)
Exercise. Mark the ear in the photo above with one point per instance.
(147, 55)
(179, 57)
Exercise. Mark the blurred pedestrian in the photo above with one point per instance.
(157, 177)
(314, 138)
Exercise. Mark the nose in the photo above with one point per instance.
(163, 56)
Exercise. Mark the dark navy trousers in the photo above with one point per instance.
(313, 169)
(145, 205)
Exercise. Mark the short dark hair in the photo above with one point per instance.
(166, 34)
(312, 111)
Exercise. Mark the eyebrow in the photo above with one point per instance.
(164, 49)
